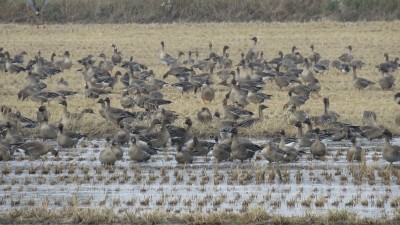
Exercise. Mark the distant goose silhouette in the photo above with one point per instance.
(38, 9)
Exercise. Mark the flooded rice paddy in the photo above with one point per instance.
(77, 178)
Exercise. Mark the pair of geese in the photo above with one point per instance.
(137, 152)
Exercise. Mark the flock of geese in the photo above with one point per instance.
(244, 81)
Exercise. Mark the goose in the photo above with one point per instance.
(360, 83)
(295, 100)
(181, 135)
(64, 64)
(386, 82)
(66, 93)
(354, 152)
(69, 118)
(153, 104)
(105, 64)
(397, 98)
(122, 136)
(314, 56)
(251, 121)
(347, 57)
(322, 66)
(207, 93)
(302, 140)
(317, 148)
(12, 137)
(94, 92)
(372, 131)
(19, 58)
(183, 156)
(35, 149)
(24, 122)
(169, 115)
(242, 149)
(5, 150)
(190, 61)
(43, 96)
(107, 156)
(199, 148)
(388, 66)
(126, 100)
(291, 152)
(119, 154)
(273, 153)
(133, 65)
(182, 73)
(328, 116)
(106, 81)
(341, 134)
(303, 90)
(137, 151)
(221, 151)
(297, 115)
(252, 54)
(157, 139)
(224, 125)
(116, 58)
(211, 54)
(276, 62)
(165, 57)
(47, 131)
(44, 68)
(113, 114)
(204, 115)
(90, 59)
(93, 73)
(369, 117)
(10, 67)
(257, 97)
(357, 63)
(144, 130)
(67, 139)
(291, 56)
(281, 81)
(38, 9)
(184, 86)
(390, 153)
(236, 94)
(233, 112)
(224, 75)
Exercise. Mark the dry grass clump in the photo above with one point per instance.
(75, 215)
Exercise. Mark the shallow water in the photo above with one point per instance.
(306, 186)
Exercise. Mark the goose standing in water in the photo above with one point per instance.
(273, 153)
(302, 140)
(291, 152)
(221, 151)
(35, 149)
(137, 152)
(242, 148)
(390, 153)
(317, 148)
(354, 152)
(107, 156)
(183, 156)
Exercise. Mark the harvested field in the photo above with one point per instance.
(75, 188)
(369, 41)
